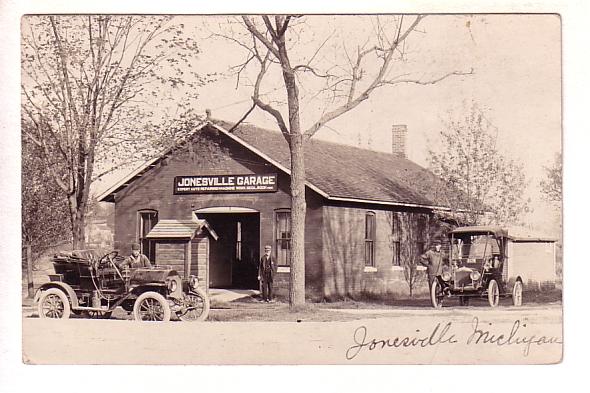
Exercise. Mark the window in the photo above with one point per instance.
(283, 237)
(421, 226)
(147, 220)
(239, 242)
(396, 235)
(370, 239)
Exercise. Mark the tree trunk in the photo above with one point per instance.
(298, 210)
(78, 222)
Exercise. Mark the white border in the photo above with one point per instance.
(16, 377)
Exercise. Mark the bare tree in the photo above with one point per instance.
(274, 42)
(484, 186)
(87, 82)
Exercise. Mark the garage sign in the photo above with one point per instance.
(208, 184)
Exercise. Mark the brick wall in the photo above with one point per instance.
(343, 261)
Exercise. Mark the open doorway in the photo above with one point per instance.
(233, 258)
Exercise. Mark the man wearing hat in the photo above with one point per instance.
(432, 259)
(136, 259)
(266, 271)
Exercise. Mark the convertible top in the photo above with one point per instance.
(76, 256)
(514, 233)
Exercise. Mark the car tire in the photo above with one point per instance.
(54, 303)
(517, 294)
(200, 307)
(493, 293)
(151, 306)
(436, 296)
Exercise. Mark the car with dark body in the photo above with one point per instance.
(94, 286)
(479, 267)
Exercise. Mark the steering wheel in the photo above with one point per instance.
(108, 258)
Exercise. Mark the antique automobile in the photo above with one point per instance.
(88, 285)
(491, 263)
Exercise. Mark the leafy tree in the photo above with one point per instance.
(552, 185)
(337, 74)
(484, 186)
(93, 94)
(45, 217)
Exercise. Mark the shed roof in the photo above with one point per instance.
(179, 229)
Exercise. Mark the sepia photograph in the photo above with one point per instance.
(387, 188)
(302, 197)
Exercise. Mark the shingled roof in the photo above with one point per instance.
(336, 171)
(347, 172)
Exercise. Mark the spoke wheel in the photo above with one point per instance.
(517, 294)
(195, 307)
(54, 304)
(493, 293)
(436, 294)
(151, 306)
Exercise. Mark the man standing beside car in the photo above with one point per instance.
(266, 271)
(433, 261)
(136, 259)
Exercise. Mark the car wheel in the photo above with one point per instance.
(151, 306)
(493, 293)
(464, 300)
(436, 294)
(54, 303)
(517, 294)
(195, 307)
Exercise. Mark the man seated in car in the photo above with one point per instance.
(136, 259)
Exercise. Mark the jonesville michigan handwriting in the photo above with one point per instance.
(443, 335)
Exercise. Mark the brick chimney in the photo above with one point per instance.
(398, 140)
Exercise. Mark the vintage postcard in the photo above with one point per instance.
(291, 189)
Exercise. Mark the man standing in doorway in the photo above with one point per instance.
(432, 259)
(266, 271)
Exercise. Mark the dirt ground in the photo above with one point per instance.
(251, 332)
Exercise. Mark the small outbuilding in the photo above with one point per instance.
(183, 245)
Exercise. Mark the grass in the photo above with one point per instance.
(276, 312)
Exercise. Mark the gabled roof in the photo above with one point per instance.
(335, 171)
(179, 229)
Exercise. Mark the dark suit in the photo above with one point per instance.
(266, 271)
(432, 259)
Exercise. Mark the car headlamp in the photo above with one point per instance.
(172, 285)
(475, 275)
(446, 276)
(193, 281)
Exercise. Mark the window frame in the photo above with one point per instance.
(151, 251)
(396, 236)
(283, 258)
(370, 238)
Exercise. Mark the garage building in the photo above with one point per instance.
(368, 213)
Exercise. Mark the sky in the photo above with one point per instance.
(516, 79)
(516, 61)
